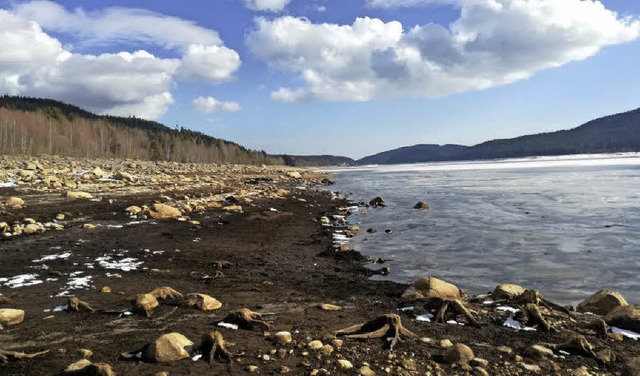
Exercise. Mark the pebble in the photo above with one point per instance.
(345, 364)
(445, 343)
(315, 345)
(283, 337)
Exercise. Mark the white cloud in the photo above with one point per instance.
(214, 63)
(208, 105)
(267, 5)
(494, 42)
(127, 83)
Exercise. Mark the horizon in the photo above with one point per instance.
(327, 78)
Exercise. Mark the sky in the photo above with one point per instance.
(341, 77)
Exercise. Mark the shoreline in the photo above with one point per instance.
(277, 265)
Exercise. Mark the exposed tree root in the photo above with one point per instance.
(247, 319)
(165, 293)
(214, 348)
(387, 326)
(577, 344)
(76, 305)
(453, 306)
(9, 356)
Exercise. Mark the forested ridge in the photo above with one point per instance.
(609, 134)
(43, 126)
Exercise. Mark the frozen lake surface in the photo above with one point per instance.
(567, 226)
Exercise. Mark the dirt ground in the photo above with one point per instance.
(279, 266)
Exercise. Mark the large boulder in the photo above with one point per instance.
(10, 316)
(602, 302)
(625, 317)
(431, 287)
(158, 211)
(203, 302)
(507, 291)
(169, 348)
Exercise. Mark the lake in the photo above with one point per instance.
(567, 226)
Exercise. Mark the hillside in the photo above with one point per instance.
(31, 126)
(610, 134)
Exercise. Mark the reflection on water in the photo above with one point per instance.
(567, 226)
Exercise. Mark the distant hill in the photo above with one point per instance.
(33, 126)
(316, 160)
(610, 134)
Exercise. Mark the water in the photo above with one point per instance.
(567, 226)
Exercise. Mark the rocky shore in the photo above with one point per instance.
(111, 267)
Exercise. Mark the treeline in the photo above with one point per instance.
(610, 134)
(44, 126)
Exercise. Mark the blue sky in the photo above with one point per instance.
(343, 77)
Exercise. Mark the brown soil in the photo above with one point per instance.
(279, 266)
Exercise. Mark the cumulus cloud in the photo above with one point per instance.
(208, 105)
(137, 83)
(267, 5)
(494, 42)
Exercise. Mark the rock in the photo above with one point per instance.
(458, 354)
(378, 202)
(14, 202)
(31, 229)
(122, 175)
(507, 291)
(326, 350)
(169, 348)
(632, 367)
(538, 352)
(100, 173)
(133, 210)
(294, 175)
(251, 369)
(159, 211)
(78, 195)
(330, 307)
(202, 302)
(625, 317)
(85, 353)
(431, 287)
(233, 208)
(88, 226)
(531, 367)
(105, 289)
(283, 337)
(315, 345)
(479, 362)
(602, 302)
(366, 371)
(60, 217)
(445, 343)
(10, 316)
(505, 350)
(344, 364)
(479, 371)
(145, 303)
(85, 368)
(421, 205)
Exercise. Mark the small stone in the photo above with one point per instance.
(78, 195)
(330, 307)
(284, 369)
(266, 358)
(345, 364)
(479, 371)
(479, 362)
(505, 350)
(60, 217)
(426, 340)
(233, 208)
(10, 316)
(162, 373)
(531, 367)
(251, 369)
(133, 210)
(85, 353)
(283, 337)
(105, 289)
(326, 350)
(88, 226)
(366, 371)
(458, 354)
(337, 343)
(282, 353)
(445, 343)
(538, 352)
(315, 345)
